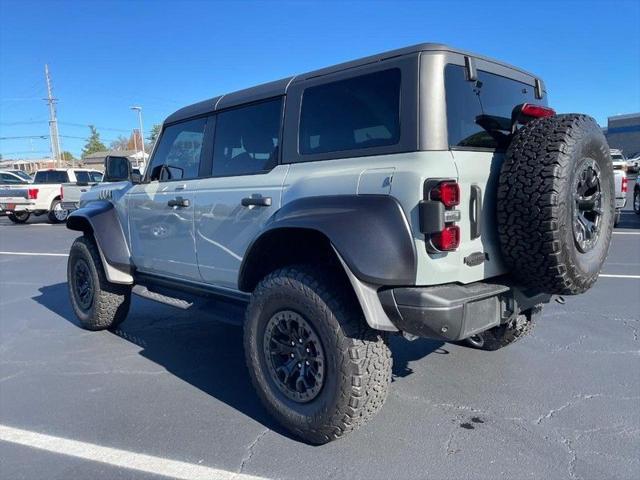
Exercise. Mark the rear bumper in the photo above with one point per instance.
(621, 202)
(8, 205)
(71, 206)
(453, 312)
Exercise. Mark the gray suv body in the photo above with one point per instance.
(368, 187)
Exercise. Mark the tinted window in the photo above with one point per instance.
(479, 112)
(21, 174)
(359, 112)
(96, 176)
(246, 139)
(82, 177)
(51, 176)
(6, 178)
(177, 156)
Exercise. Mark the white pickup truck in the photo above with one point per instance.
(43, 195)
(621, 182)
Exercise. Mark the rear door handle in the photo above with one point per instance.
(475, 210)
(179, 202)
(256, 201)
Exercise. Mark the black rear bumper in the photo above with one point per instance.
(453, 312)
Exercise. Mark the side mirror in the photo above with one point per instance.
(117, 169)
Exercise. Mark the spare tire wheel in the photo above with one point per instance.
(556, 204)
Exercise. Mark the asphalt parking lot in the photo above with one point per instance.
(168, 394)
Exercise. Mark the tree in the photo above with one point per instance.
(120, 143)
(153, 136)
(94, 144)
(67, 156)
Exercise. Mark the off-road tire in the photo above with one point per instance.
(535, 203)
(51, 216)
(499, 337)
(21, 217)
(358, 358)
(110, 303)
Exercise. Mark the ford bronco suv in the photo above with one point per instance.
(426, 191)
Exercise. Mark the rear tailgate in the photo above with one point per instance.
(479, 121)
(71, 193)
(14, 198)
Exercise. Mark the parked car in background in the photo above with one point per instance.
(11, 177)
(70, 193)
(43, 196)
(619, 160)
(633, 163)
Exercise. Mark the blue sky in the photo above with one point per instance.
(108, 55)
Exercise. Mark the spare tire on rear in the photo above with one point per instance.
(556, 204)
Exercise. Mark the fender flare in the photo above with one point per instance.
(101, 220)
(370, 233)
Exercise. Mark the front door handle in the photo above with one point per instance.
(256, 201)
(179, 202)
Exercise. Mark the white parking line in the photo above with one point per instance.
(118, 458)
(608, 275)
(36, 254)
(626, 233)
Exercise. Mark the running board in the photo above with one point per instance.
(144, 292)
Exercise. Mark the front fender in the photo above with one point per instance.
(101, 220)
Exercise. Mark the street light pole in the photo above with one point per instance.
(139, 110)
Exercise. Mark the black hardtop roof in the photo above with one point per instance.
(279, 87)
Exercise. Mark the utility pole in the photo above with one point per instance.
(53, 121)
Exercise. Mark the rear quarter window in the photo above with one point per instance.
(479, 112)
(355, 113)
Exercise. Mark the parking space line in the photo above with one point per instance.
(626, 233)
(608, 275)
(36, 254)
(118, 458)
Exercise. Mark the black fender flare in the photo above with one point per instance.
(101, 220)
(371, 234)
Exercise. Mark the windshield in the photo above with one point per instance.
(22, 174)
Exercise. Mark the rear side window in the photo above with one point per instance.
(359, 112)
(247, 139)
(479, 112)
(82, 177)
(96, 176)
(51, 176)
(177, 156)
(7, 178)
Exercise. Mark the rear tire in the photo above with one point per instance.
(556, 204)
(97, 303)
(57, 214)
(346, 387)
(20, 217)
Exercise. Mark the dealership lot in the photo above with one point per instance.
(168, 394)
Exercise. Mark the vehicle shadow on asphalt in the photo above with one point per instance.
(204, 347)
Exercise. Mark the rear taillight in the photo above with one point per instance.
(438, 216)
(537, 111)
(32, 193)
(625, 185)
(448, 193)
(448, 239)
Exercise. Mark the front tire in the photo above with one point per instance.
(57, 214)
(97, 303)
(19, 217)
(317, 367)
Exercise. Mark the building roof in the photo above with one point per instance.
(103, 153)
(279, 87)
